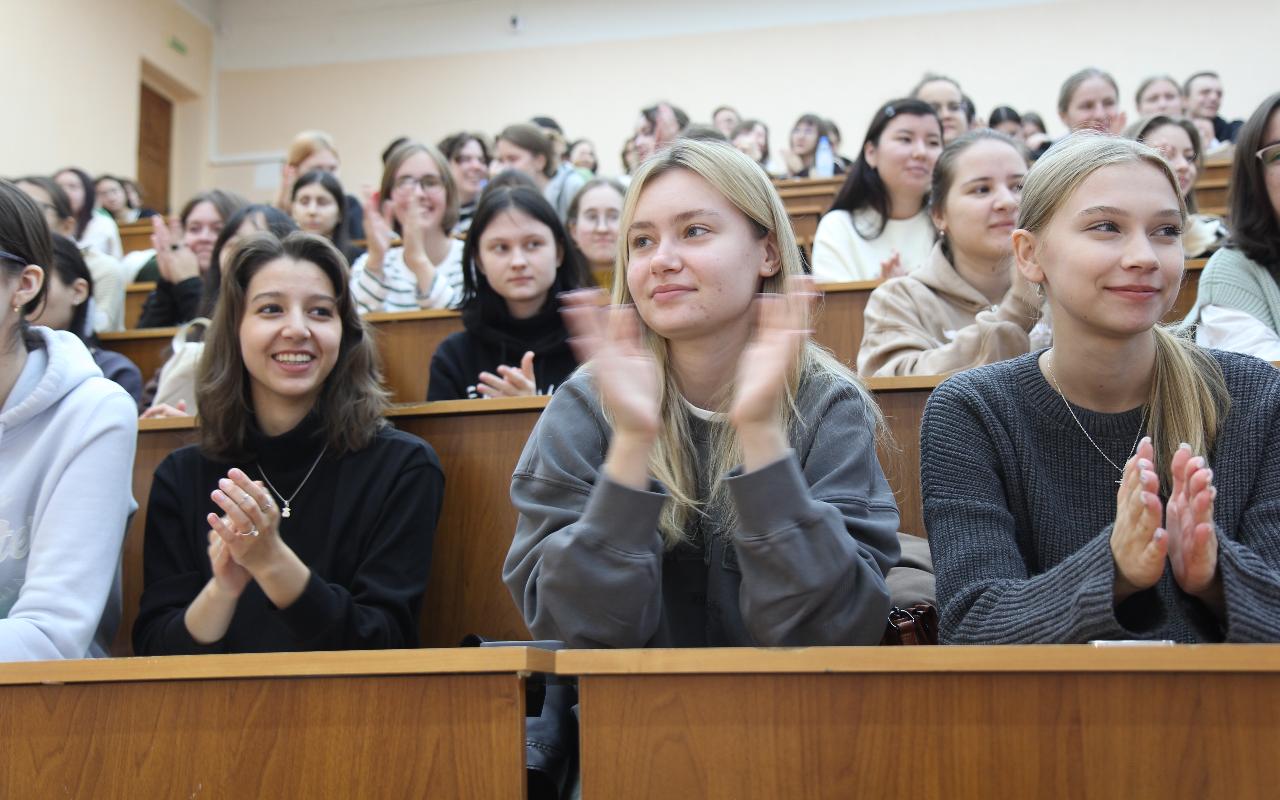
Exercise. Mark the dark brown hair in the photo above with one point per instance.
(351, 403)
(1254, 228)
(944, 170)
(534, 140)
(85, 214)
(225, 203)
(23, 233)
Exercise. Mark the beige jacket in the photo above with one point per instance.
(933, 322)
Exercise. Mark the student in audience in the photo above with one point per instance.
(519, 261)
(710, 476)
(967, 305)
(582, 157)
(1203, 91)
(593, 223)
(630, 157)
(1090, 99)
(66, 462)
(67, 300)
(319, 206)
(946, 98)
(1007, 121)
(93, 230)
(1159, 94)
(1177, 139)
(1033, 540)
(527, 149)
(552, 130)
(657, 126)
(173, 391)
(1036, 134)
(468, 155)
(108, 283)
(317, 534)
(801, 156)
(418, 201)
(878, 226)
(184, 250)
(726, 119)
(1238, 301)
(316, 150)
(134, 193)
(113, 198)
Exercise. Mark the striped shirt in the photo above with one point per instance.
(396, 289)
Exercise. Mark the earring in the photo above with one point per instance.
(1040, 290)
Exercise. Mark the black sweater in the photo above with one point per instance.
(363, 523)
(1019, 507)
(486, 345)
(171, 303)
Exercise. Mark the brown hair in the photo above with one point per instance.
(225, 203)
(392, 165)
(307, 144)
(351, 403)
(944, 171)
(532, 138)
(23, 233)
(1255, 230)
(1072, 83)
(1147, 125)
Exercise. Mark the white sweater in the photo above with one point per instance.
(67, 439)
(840, 253)
(397, 289)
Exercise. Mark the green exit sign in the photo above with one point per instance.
(177, 45)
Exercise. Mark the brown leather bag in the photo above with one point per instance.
(917, 624)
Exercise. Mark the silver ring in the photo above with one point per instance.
(250, 532)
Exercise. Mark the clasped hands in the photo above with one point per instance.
(245, 539)
(379, 226)
(1187, 540)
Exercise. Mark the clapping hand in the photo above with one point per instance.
(1138, 543)
(1193, 540)
(379, 233)
(174, 259)
(510, 381)
(782, 326)
(625, 373)
(230, 577)
(249, 527)
(892, 267)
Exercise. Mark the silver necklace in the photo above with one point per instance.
(1048, 363)
(286, 501)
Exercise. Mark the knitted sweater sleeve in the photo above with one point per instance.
(987, 591)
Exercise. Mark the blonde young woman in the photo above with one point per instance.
(710, 477)
(967, 305)
(1122, 484)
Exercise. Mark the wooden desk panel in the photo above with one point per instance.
(838, 325)
(417, 726)
(136, 235)
(902, 400)
(1187, 292)
(144, 347)
(899, 722)
(135, 297)
(406, 340)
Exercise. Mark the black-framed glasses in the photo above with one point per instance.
(7, 256)
(1269, 156)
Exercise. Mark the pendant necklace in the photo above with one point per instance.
(286, 511)
(1048, 363)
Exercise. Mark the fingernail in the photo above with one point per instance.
(1145, 464)
(1184, 446)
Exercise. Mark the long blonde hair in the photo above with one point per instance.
(1189, 397)
(673, 461)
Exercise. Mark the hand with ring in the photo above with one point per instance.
(249, 527)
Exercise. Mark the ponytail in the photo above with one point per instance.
(1189, 399)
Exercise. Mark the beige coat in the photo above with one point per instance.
(933, 322)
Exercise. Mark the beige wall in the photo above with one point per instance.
(71, 89)
(1015, 55)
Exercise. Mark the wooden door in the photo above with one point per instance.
(155, 135)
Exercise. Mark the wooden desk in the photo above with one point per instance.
(145, 347)
(1187, 292)
(478, 442)
(135, 296)
(839, 323)
(396, 723)
(136, 235)
(806, 200)
(929, 722)
(901, 400)
(406, 340)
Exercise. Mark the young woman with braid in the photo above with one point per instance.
(1122, 484)
(710, 477)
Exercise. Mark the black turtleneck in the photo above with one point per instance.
(492, 337)
(364, 523)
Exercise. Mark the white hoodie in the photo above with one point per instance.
(67, 440)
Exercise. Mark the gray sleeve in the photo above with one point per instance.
(986, 594)
(585, 565)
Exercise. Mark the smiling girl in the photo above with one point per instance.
(1122, 484)
(710, 477)
(967, 305)
(418, 201)
(878, 226)
(301, 521)
(514, 342)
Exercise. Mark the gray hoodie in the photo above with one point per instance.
(804, 566)
(67, 439)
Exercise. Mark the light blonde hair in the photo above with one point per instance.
(673, 461)
(1189, 397)
(307, 144)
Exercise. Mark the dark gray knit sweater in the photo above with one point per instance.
(1019, 508)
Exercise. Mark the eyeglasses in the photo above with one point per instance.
(426, 182)
(1269, 156)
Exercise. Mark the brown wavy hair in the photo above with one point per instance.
(351, 403)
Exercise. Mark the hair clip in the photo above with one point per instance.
(889, 111)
